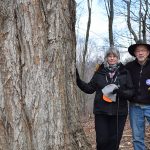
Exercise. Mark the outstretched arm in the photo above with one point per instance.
(88, 88)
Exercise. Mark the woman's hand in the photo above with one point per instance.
(77, 73)
(118, 91)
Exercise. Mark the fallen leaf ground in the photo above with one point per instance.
(126, 142)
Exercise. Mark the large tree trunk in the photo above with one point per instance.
(38, 106)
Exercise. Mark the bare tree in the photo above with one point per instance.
(38, 105)
(109, 4)
(83, 97)
(83, 58)
(139, 18)
(129, 20)
(89, 4)
(144, 17)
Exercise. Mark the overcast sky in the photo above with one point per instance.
(99, 26)
(99, 23)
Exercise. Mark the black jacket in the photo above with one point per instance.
(140, 75)
(98, 82)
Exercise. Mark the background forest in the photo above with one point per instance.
(124, 22)
(41, 107)
(100, 24)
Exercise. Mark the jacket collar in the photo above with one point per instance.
(146, 63)
(102, 69)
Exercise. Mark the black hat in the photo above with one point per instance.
(132, 48)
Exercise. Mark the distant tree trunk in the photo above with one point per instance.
(141, 20)
(129, 21)
(89, 3)
(83, 65)
(144, 20)
(38, 105)
(109, 4)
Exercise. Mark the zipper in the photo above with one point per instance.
(140, 77)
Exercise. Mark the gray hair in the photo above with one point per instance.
(112, 50)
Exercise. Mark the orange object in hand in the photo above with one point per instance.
(107, 99)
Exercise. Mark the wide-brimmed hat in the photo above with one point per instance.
(132, 47)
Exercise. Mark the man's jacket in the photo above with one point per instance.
(141, 80)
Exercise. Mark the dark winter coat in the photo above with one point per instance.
(99, 81)
(140, 77)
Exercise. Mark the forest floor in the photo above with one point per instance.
(126, 142)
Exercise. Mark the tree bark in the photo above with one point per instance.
(38, 105)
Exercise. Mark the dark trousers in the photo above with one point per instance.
(109, 130)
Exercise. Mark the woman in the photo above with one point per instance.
(113, 86)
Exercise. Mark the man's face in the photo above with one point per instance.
(141, 53)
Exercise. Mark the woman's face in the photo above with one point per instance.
(112, 59)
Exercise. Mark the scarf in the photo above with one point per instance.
(111, 71)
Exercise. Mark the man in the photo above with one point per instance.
(139, 108)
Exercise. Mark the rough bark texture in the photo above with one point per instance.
(38, 106)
